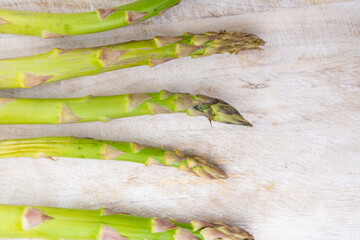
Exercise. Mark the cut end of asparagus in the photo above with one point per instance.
(211, 231)
(219, 111)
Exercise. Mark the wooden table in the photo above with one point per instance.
(294, 175)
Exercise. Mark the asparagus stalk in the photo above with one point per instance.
(71, 147)
(60, 223)
(51, 25)
(89, 109)
(60, 64)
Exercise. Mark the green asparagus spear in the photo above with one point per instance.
(60, 223)
(71, 147)
(51, 25)
(89, 109)
(60, 64)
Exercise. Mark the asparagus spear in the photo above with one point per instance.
(60, 64)
(71, 147)
(51, 25)
(60, 223)
(89, 109)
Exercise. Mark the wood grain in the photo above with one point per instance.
(294, 175)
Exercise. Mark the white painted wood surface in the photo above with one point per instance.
(294, 175)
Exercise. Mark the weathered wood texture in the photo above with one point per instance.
(294, 175)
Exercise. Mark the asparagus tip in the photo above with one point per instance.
(225, 113)
(202, 168)
(218, 230)
(234, 42)
(220, 111)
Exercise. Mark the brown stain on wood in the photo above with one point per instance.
(270, 186)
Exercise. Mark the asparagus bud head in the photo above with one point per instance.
(226, 42)
(218, 230)
(219, 111)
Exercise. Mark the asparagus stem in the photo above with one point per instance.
(51, 25)
(88, 109)
(60, 223)
(71, 147)
(60, 64)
